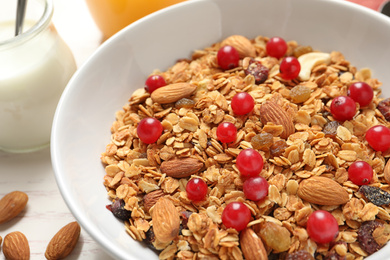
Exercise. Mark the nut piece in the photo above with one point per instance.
(166, 220)
(172, 93)
(63, 242)
(16, 246)
(309, 60)
(180, 168)
(11, 205)
(252, 246)
(272, 112)
(151, 198)
(322, 191)
(242, 44)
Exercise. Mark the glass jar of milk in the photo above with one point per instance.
(35, 67)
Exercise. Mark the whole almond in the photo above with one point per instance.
(16, 246)
(11, 205)
(242, 44)
(180, 168)
(63, 242)
(386, 172)
(251, 245)
(151, 198)
(322, 191)
(166, 220)
(172, 93)
(274, 113)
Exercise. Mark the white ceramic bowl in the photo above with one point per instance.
(100, 88)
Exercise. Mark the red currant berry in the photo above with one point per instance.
(226, 132)
(322, 227)
(256, 188)
(360, 173)
(242, 103)
(378, 137)
(289, 68)
(276, 47)
(228, 57)
(154, 82)
(343, 108)
(149, 130)
(196, 189)
(236, 215)
(361, 93)
(249, 162)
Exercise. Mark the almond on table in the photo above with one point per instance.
(254, 157)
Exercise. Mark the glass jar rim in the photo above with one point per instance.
(39, 26)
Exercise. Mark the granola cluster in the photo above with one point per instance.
(316, 146)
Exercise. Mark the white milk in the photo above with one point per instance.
(33, 75)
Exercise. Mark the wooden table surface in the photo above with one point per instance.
(32, 173)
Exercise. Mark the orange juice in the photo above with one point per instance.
(113, 15)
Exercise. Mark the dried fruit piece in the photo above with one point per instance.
(11, 205)
(375, 195)
(275, 236)
(330, 129)
(277, 148)
(300, 94)
(16, 246)
(258, 70)
(365, 236)
(300, 255)
(185, 103)
(300, 50)
(251, 245)
(63, 242)
(384, 108)
(118, 209)
(262, 141)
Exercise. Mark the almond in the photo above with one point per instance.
(322, 191)
(16, 246)
(180, 168)
(251, 245)
(274, 113)
(166, 220)
(151, 198)
(386, 172)
(11, 205)
(172, 93)
(242, 44)
(63, 242)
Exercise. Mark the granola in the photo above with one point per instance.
(303, 142)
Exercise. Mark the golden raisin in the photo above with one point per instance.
(277, 149)
(300, 50)
(300, 94)
(262, 141)
(185, 103)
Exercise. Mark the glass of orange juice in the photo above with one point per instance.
(113, 15)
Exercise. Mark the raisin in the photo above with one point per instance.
(365, 238)
(375, 195)
(300, 94)
(150, 238)
(277, 148)
(330, 129)
(262, 141)
(300, 50)
(258, 70)
(118, 209)
(384, 108)
(300, 255)
(185, 216)
(185, 103)
(275, 236)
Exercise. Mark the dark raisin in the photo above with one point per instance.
(262, 141)
(258, 70)
(118, 209)
(375, 195)
(277, 148)
(300, 255)
(185, 216)
(150, 238)
(384, 108)
(185, 103)
(330, 129)
(365, 238)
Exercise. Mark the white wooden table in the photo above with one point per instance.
(32, 173)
